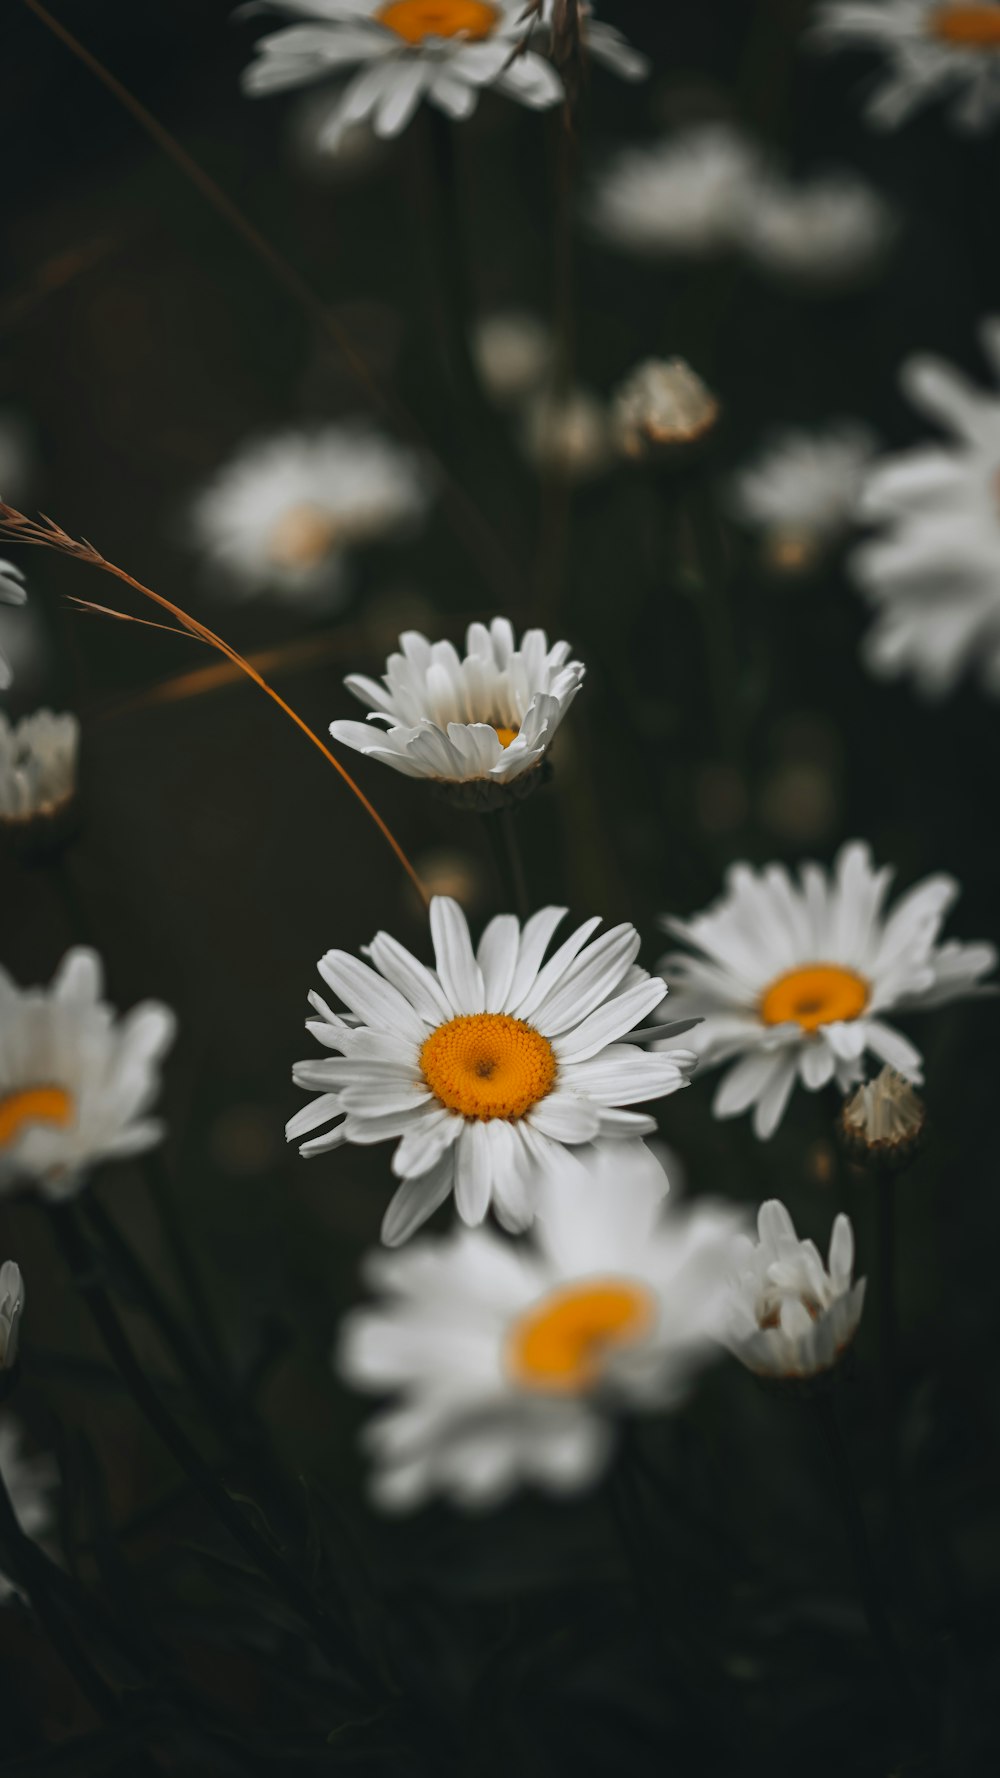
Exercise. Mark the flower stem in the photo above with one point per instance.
(885, 1185)
(508, 863)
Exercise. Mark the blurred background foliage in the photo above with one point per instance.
(220, 857)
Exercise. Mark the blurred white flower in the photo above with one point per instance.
(686, 194)
(662, 402)
(884, 1120)
(12, 592)
(791, 1316)
(570, 434)
(801, 493)
(512, 350)
(37, 765)
(11, 1310)
(485, 718)
(933, 576)
(29, 1482)
(794, 980)
(935, 49)
(486, 1066)
(444, 51)
(602, 43)
(75, 1082)
(828, 230)
(285, 511)
(510, 1361)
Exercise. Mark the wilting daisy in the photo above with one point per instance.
(485, 718)
(75, 1081)
(28, 1481)
(802, 492)
(37, 765)
(285, 511)
(686, 194)
(511, 1360)
(512, 350)
(444, 51)
(487, 1065)
(883, 1122)
(828, 230)
(791, 1315)
(12, 592)
(11, 1310)
(795, 979)
(662, 402)
(935, 49)
(933, 576)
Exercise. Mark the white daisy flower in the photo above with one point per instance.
(512, 350)
(11, 1310)
(933, 576)
(75, 1083)
(802, 492)
(510, 1360)
(686, 194)
(444, 51)
(486, 1066)
(936, 49)
(795, 979)
(29, 1481)
(662, 402)
(12, 592)
(791, 1316)
(37, 765)
(285, 511)
(828, 230)
(486, 718)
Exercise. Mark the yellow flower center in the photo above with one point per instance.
(968, 27)
(563, 1343)
(35, 1105)
(505, 735)
(487, 1065)
(817, 995)
(301, 537)
(414, 20)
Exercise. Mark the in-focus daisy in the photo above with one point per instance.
(686, 194)
(29, 1482)
(510, 1361)
(284, 513)
(662, 403)
(444, 51)
(791, 1316)
(11, 1310)
(933, 575)
(825, 231)
(802, 492)
(512, 350)
(483, 719)
(795, 979)
(75, 1081)
(487, 1065)
(935, 49)
(37, 766)
(12, 592)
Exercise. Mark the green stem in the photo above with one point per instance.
(885, 1186)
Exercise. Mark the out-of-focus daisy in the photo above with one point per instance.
(829, 230)
(936, 49)
(883, 1122)
(802, 492)
(510, 1361)
(486, 1066)
(795, 979)
(444, 51)
(569, 434)
(76, 1083)
(484, 719)
(663, 402)
(686, 194)
(512, 350)
(11, 1310)
(933, 576)
(12, 592)
(37, 766)
(285, 511)
(29, 1482)
(791, 1316)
